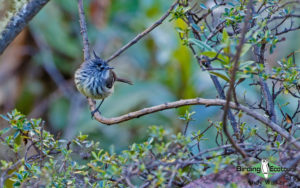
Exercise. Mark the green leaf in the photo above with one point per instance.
(179, 30)
(225, 36)
(245, 49)
(28, 165)
(95, 155)
(210, 54)
(20, 177)
(200, 44)
(4, 117)
(17, 184)
(246, 64)
(220, 75)
(226, 42)
(196, 27)
(17, 134)
(203, 6)
(5, 130)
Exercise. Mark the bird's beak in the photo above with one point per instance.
(108, 68)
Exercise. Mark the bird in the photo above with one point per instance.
(95, 79)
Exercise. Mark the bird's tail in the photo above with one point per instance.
(124, 81)
(121, 79)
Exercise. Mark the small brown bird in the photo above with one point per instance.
(95, 79)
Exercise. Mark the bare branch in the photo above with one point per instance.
(197, 101)
(173, 175)
(83, 31)
(269, 99)
(287, 30)
(142, 34)
(19, 21)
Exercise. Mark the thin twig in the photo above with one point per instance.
(264, 86)
(186, 127)
(41, 142)
(83, 31)
(232, 79)
(173, 175)
(129, 183)
(202, 133)
(287, 30)
(269, 99)
(142, 34)
(86, 48)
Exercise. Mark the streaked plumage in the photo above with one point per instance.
(95, 79)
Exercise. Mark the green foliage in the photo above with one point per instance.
(55, 162)
(287, 72)
(218, 45)
(41, 159)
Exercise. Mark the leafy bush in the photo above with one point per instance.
(40, 159)
(165, 159)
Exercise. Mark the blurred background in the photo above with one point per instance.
(36, 71)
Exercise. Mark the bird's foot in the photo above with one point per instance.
(93, 113)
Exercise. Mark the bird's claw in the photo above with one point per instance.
(93, 113)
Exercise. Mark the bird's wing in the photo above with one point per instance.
(111, 79)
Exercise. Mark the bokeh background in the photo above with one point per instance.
(36, 71)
